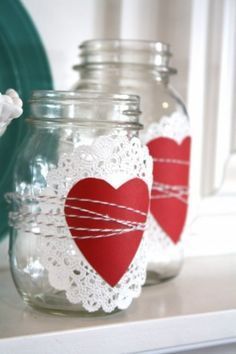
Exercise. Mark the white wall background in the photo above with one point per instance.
(63, 24)
(202, 34)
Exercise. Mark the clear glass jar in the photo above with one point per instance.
(82, 182)
(142, 68)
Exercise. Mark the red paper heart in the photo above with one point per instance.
(109, 256)
(170, 213)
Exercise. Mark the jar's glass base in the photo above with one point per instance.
(157, 273)
(154, 278)
(50, 305)
(40, 295)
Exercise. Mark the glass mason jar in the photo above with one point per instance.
(142, 68)
(80, 202)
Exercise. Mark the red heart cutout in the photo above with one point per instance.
(170, 210)
(109, 256)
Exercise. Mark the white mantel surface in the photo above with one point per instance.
(194, 310)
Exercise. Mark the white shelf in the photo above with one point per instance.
(197, 309)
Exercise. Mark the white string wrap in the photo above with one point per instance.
(173, 161)
(167, 191)
(128, 225)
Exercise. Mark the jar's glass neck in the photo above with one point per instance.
(85, 108)
(122, 73)
(125, 51)
(135, 55)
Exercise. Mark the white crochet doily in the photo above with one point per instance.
(176, 127)
(163, 253)
(116, 160)
(162, 250)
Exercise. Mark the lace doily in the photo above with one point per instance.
(162, 251)
(116, 160)
(176, 127)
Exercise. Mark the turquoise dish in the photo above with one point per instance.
(24, 67)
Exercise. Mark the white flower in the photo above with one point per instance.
(10, 108)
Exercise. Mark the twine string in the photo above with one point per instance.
(128, 225)
(173, 161)
(167, 191)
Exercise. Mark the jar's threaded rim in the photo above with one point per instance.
(129, 44)
(82, 96)
(85, 107)
(120, 51)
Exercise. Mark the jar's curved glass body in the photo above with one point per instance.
(76, 140)
(142, 68)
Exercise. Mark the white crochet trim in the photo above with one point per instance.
(176, 127)
(163, 252)
(116, 160)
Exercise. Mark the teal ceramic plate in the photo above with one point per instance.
(24, 67)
